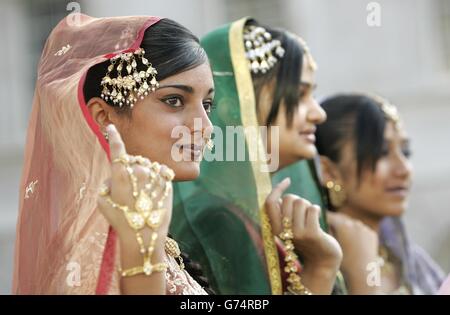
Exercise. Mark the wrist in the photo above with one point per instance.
(356, 279)
(321, 271)
(318, 279)
(358, 266)
(321, 265)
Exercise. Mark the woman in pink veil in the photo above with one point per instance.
(64, 245)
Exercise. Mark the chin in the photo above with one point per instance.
(395, 210)
(307, 152)
(186, 171)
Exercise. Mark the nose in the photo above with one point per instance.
(207, 124)
(402, 166)
(316, 114)
(199, 122)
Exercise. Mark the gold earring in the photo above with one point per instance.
(336, 194)
(105, 134)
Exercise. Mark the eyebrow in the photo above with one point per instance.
(402, 140)
(186, 88)
(309, 85)
(406, 141)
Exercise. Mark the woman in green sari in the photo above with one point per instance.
(221, 217)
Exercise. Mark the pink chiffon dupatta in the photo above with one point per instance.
(63, 244)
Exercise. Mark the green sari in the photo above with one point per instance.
(219, 219)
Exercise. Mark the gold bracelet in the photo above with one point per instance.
(295, 285)
(171, 248)
(147, 270)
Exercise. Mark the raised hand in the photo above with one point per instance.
(137, 202)
(130, 175)
(360, 247)
(320, 252)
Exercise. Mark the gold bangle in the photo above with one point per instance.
(103, 191)
(147, 269)
(295, 285)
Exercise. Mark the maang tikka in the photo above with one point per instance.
(261, 50)
(129, 85)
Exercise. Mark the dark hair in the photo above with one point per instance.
(195, 271)
(169, 46)
(286, 74)
(172, 49)
(356, 118)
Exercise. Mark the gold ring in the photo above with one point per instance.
(155, 166)
(287, 222)
(104, 190)
(124, 159)
(168, 174)
(287, 233)
(142, 161)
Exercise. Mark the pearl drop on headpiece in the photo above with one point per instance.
(126, 89)
(261, 48)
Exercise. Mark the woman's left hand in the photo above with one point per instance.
(320, 251)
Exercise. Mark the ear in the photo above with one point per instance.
(330, 171)
(101, 112)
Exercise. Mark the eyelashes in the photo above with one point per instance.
(209, 106)
(405, 151)
(173, 101)
(177, 102)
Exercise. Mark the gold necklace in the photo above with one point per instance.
(387, 266)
